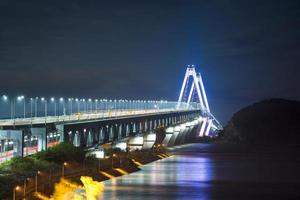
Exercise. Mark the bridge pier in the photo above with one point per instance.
(41, 134)
(18, 137)
(149, 140)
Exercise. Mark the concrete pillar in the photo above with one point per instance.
(77, 139)
(101, 136)
(18, 138)
(61, 131)
(120, 132)
(111, 133)
(42, 137)
(169, 133)
(136, 142)
(177, 130)
(140, 127)
(134, 127)
(89, 141)
(145, 126)
(150, 125)
(127, 130)
(149, 140)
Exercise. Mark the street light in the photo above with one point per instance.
(45, 101)
(36, 180)
(35, 109)
(63, 168)
(71, 106)
(20, 98)
(24, 189)
(61, 99)
(53, 101)
(17, 188)
(91, 105)
(77, 101)
(5, 99)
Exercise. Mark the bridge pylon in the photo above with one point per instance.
(193, 95)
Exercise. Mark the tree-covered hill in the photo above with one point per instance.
(268, 121)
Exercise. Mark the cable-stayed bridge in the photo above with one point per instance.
(34, 124)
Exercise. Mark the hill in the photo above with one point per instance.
(268, 121)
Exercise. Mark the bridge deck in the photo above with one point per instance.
(83, 117)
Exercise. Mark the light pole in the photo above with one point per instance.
(19, 99)
(71, 106)
(31, 99)
(5, 99)
(63, 169)
(24, 189)
(35, 106)
(77, 101)
(17, 188)
(45, 101)
(36, 180)
(91, 105)
(53, 101)
(61, 100)
(96, 105)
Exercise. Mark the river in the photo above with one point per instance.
(213, 171)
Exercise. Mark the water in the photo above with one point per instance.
(201, 171)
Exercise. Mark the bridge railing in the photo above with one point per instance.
(22, 107)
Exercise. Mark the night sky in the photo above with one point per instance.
(246, 50)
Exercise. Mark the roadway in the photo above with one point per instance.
(77, 117)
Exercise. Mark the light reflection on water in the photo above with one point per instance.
(176, 177)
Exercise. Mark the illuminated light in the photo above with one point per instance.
(170, 130)
(202, 127)
(182, 127)
(208, 128)
(151, 137)
(41, 196)
(177, 129)
(61, 99)
(92, 188)
(136, 162)
(203, 91)
(17, 188)
(121, 145)
(90, 100)
(190, 72)
(99, 154)
(4, 97)
(121, 171)
(42, 99)
(52, 99)
(106, 174)
(137, 140)
(65, 163)
(165, 154)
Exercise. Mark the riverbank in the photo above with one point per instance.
(40, 172)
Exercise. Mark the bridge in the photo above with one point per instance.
(34, 124)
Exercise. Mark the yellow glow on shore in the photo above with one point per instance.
(92, 188)
(106, 174)
(160, 156)
(67, 190)
(136, 162)
(121, 171)
(41, 196)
